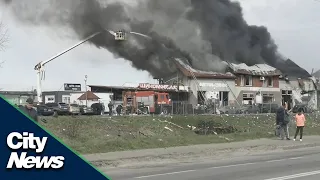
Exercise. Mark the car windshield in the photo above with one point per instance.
(74, 105)
(63, 104)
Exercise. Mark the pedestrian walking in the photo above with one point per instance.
(110, 106)
(118, 110)
(300, 123)
(282, 120)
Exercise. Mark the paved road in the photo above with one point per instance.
(302, 164)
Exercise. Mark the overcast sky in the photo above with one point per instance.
(294, 24)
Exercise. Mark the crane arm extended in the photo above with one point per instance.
(42, 63)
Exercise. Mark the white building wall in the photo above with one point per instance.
(214, 85)
(296, 91)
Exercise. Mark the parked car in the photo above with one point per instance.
(84, 110)
(269, 108)
(60, 108)
(304, 108)
(98, 108)
(74, 109)
(44, 110)
(232, 110)
(251, 109)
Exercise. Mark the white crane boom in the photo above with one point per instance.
(119, 35)
(42, 63)
(40, 66)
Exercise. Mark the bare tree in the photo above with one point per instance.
(3, 36)
(3, 39)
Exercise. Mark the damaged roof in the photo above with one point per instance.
(258, 69)
(291, 70)
(189, 71)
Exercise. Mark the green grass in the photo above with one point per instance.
(98, 134)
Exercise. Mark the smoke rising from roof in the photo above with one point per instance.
(203, 32)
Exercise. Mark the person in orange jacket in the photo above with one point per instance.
(300, 122)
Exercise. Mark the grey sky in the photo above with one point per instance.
(293, 24)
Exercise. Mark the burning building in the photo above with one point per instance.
(298, 86)
(241, 84)
(204, 85)
(200, 34)
(257, 84)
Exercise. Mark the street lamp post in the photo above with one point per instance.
(85, 85)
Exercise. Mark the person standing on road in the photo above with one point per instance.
(300, 122)
(29, 110)
(282, 120)
(110, 106)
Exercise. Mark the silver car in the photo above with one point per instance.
(74, 109)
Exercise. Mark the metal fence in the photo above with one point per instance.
(184, 108)
(181, 108)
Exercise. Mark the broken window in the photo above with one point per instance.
(248, 80)
(241, 80)
(120, 35)
(267, 98)
(270, 81)
(247, 98)
(201, 98)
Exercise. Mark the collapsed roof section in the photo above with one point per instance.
(188, 71)
(287, 70)
(255, 70)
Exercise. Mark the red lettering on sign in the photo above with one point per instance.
(157, 86)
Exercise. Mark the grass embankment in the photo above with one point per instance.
(98, 134)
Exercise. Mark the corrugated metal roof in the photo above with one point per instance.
(258, 69)
(187, 71)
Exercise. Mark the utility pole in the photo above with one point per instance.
(85, 85)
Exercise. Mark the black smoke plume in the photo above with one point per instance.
(202, 32)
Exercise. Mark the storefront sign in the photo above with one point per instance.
(72, 87)
(214, 85)
(157, 86)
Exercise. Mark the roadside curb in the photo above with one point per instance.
(300, 146)
(202, 150)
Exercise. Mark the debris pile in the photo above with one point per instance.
(212, 127)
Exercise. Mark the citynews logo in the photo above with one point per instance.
(27, 141)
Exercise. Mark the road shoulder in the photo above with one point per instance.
(195, 152)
